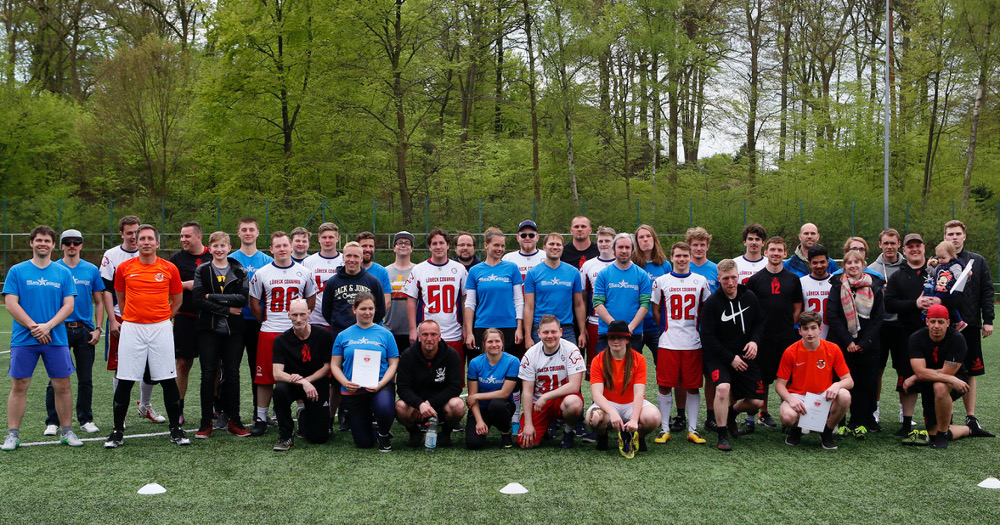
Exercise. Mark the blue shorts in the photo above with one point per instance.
(23, 359)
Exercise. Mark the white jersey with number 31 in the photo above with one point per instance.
(440, 288)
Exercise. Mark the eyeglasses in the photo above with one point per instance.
(71, 242)
(527, 235)
(404, 243)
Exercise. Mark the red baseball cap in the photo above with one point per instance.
(938, 310)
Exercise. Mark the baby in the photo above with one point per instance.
(942, 271)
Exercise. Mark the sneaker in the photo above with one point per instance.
(237, 430)
(70, 439)
(222, 422)
(114, 440)
(271, 421)
(662, 437)
(732, 426)
(602, 442)
(89, 427)
(444, 438)
(794, 437)
(384, 445)
(11, 443)
(917, 438)
(284, 445)
(696, 438)
(860, 432)
(843, 430)
(975, 430)
(259, 427)
(51, 430)
(766, 419)
(678, 423)
(724, 444)
(628, 442)
(204, 432)
(177, 436)
(149, 413)
(567, 439)
(747, 428)
(416, 439)
(875, 427)
(904, 430)
(827, 439)
(710, 424)
(941, 440)
(587, 436)
(507, 440)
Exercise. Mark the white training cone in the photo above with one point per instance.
(990, 483)
(514, 488)
(152, 488)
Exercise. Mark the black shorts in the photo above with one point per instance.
(974, 350)
(742, 385)
(185, 337)
(769, 354)
(926, 391)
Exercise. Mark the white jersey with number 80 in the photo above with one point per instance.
(275, 287)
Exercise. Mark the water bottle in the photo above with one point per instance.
(431, 437)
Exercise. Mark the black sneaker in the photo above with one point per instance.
(724, 444)
(602, 442)
(642, 444)
(731, 425)
(586, 436)
(383, 443)
(177, 436)
(710, 424)
(904, 430)
(568, 439)
(507, 440)
(941, 440)
(444, 438)
(678, 423)
(794, 437)
(975, 430)
(416, 438)
(767, 420)
(874, 426)
(259, 427)
(284, 445)
(115, 440)
(827, 439)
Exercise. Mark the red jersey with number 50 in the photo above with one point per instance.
(440, 288)
(275, 287)
(679, 299)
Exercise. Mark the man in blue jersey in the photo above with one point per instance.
(554, 287)
(252, 260)
(622, 292)
(39, 296)
(82, 332)
(367, 242)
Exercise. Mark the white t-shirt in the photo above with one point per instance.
(525, 262)
(679, 298)
(440, 288)
(112, 259)
(815, 293)
(589, 272)
(322, 268)
(747, 267)
(550, 372)
(275, 287)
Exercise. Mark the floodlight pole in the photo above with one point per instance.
(888, 102)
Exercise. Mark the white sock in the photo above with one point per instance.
(876, 414)
(114, 384)
(900, 412)
(692, 404)
(145, 392)
(262, 413)
(664, 402)
(517, 408)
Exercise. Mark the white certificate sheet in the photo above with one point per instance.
(817, 412)
(365, 368)
(959, 285)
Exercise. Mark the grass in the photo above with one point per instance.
(227, 479)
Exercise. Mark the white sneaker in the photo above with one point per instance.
(70, 439)
(151, 414)
(51, 430)
(90, 428)
(10, 443)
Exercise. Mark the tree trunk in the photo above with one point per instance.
(973, 135)
(535, 175)
(928, 156)
(498, 89)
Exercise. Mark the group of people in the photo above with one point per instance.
(343, 338)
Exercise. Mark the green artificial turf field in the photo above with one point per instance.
(228, 480)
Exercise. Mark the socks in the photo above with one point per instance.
(145, 392)
(710, 414)
(65, 430)
(664, 402)
(692, 404)
(907, 422)
(181, 402)
(262, 413)
(16, 432)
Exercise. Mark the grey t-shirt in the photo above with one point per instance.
(396, 320)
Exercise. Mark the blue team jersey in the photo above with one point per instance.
(382, 275)
(375, 337)
(491, 377)
(88, 280)
(710, 271)
(251, 264)
(553, 289)
(654, 271)
(494, 287)
(622, 291)
(40, 293)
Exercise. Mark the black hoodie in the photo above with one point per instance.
(727, 325)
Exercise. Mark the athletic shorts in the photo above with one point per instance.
(926, 390)
(541, 419)
(679, 368)
(742, 385)
(974, 350)
(23, 359)
(768, 358)
(624, 410)
(185, 337)
(146, 344)
(265, 358)
(113, 347)
(895, 340)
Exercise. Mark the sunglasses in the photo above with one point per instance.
(528, 235)
(69, 242)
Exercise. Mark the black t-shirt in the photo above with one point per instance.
(952, 348)
(576, 257)
(186, 264)
(303, 357)
(777, 293)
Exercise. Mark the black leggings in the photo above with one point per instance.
(314, 425)
(171, 399)
(497, 413)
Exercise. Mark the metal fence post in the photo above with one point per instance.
(952, 210)
(480, 216)
(852, 218)
(427, 214)
(267, 217)
(59, 229)
(323, 207)
(374, 214)
(637, 222)
(907, 217)
(690, 213)
(801, 220)
(744, 212)
(584, 212)
(163, 214)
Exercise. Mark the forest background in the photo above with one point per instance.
(390, 114)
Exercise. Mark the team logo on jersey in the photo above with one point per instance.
(555, 282)
(364, 341)
(494, 278)
(624, 284)
(820, 364)
(775, 286)
(439, 375)
(715, 375)
(306, 353)
(454, 270)
(977, 364)
(158, 277)
(733, 314)
(41, 281)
